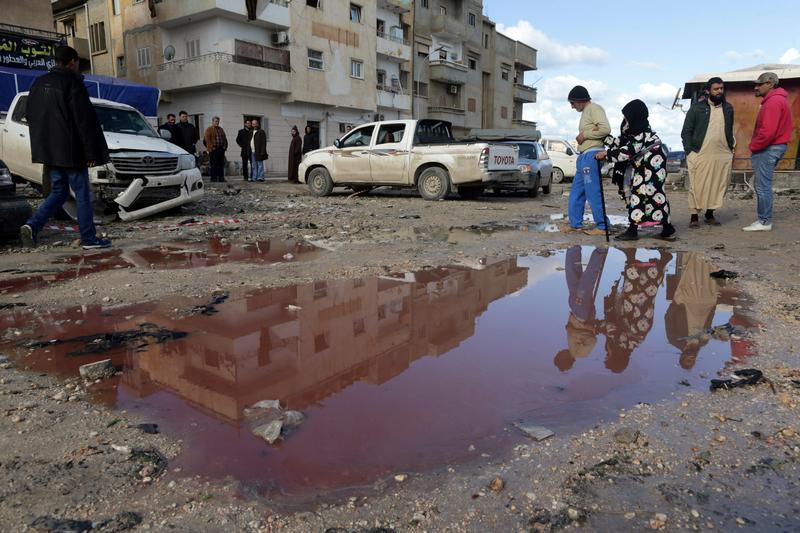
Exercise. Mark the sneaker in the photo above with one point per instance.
(594, 231)
(97, 244)
(758, 226)
(28, 236)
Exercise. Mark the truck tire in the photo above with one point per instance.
(320, 182)
(558, 175)
(14, 212)
(470, 193)
(433, 183)
(546, 188)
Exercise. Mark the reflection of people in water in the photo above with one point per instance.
(629, 308)
(694, 296)
(582, 326)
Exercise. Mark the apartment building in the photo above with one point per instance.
(465, 71)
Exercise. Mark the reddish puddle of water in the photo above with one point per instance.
(405, 373)
(168, 256)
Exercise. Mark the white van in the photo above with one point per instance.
(564, 157)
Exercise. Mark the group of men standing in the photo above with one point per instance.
(252, 141)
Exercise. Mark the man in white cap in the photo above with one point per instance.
(772, 132)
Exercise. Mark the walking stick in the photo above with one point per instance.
(602, 195)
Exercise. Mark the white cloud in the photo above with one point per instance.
(739, 57)
(556, 118)
(645, 65)
(790, 56)
(552, 53)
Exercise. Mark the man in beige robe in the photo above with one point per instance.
(707, 136)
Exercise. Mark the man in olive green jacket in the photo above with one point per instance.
(708, 140)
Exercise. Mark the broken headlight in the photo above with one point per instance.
(187, 162)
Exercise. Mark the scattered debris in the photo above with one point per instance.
(724, 274)
(270, 432)
(4, 305)
(150, 429)
(100, 370)
(626, 435)
(750, 376)
(538, 433)
(103, 342)
(400, 477)
(211, 307)
(270, 422)
(60, 525)
(497, 484)
(153, 462)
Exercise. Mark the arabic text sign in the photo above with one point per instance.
(25, 52)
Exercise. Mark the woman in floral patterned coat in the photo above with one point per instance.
(638, 149)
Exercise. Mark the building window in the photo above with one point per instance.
(443, 54)
(69, 27)
(504, 74)
(143, 57)
(313, 3)
(193, 48)
(442, 10)
(486, 40)
(404, 76)
(503, 112)
(97, 36)
(357, 69)
(355, 13)
(320, 342)
(420, 89)
(380, 25)
(120, 64)
(115, 7)
(381, 76)
(424, 4)
(471, 18)
(472, 104)
(473, 63)
(315, 60)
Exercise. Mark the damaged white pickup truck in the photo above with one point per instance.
(146, 174)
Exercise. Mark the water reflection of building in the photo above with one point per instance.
(302, 344)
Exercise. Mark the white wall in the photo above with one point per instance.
(215, 35)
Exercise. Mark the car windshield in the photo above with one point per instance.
(116, 120)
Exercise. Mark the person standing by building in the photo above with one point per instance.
(310, 140)
(295, 155)
(243, 140)
(258, 148)
(640, 149)
(188, 133)
(216, 142)
(773, 130)
(173, 129)
(66, 136)
(592, 129)
(707, 136)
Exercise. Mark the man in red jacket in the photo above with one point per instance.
(771, 135)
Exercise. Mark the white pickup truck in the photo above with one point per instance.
(410, 153)
(146, 174)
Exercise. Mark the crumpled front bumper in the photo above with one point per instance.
(188, 182)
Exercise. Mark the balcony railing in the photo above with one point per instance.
(222, 57)
(395, 38)
(391, 89)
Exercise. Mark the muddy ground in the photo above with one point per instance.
(725, 460)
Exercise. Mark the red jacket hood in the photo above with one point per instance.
(777, 91)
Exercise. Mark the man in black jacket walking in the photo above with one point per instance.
(243, 140)
(66, 136)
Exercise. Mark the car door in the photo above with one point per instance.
(17, 143)
(351, 158)
(389, 156)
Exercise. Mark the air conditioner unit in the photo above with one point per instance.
(280, 38)
(454, 89)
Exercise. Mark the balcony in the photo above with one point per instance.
(525, 56)
(448, 72)
(518, 123)
(448, 27)
(395, 6)
(273, 14)
(80, 45)
(393, 47)
(454, 115)
(393, 98)
(523, 93)
(224, 69)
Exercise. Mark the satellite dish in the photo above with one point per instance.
(169, 53)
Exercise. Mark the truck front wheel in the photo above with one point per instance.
(434, 183)
(320, 182)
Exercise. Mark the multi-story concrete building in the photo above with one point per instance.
(465, 71)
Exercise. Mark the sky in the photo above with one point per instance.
(626, 49)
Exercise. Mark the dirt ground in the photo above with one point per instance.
(725, 460)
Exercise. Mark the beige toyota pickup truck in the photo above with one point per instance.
(410, 153)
